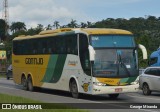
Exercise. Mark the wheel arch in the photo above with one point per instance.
(150, 87)
(23, 75)
(71, 79)
(30, 75)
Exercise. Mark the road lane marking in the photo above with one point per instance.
(148, 110)
(142, 97)
(9, 87)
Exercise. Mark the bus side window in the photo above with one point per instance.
(71, 44)
(44, 46)
(34, 46)
(49, 46)
(84, 54)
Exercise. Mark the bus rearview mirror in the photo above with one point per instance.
(144, 51)
(91, 53)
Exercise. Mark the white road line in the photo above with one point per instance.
(142, 97)
(9, 87)
(148, 110)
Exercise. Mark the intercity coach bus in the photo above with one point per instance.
(90, 60)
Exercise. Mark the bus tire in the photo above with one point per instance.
(30, 84)
(7, 78)
(24, 83)
(113, 96)
(74, 89)
(146, 90)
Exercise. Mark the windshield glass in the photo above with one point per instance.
(115, 63)
(115, 56)
(112, 41)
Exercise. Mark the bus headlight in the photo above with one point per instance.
(99, 84)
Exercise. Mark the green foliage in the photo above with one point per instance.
(146, 30)
(17, 26)
(2, 29)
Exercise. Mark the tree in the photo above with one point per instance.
(83, 25)
(17, 26)
(2, 29)
(56, 24)
(73, 24)
(39, 28)
(49, 27)
(31, 31)
(89, 24)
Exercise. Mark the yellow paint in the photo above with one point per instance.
(110, 81)
(89, 31)
(36, 71)
(72, 64)
(85, 87)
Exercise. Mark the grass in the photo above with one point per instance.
(14, 99)
(2, 76)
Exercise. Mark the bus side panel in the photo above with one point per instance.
(71, 69)
(34, 65)
(62, 69)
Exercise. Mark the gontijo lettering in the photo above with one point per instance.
(34, 61)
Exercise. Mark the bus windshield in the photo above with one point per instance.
(116, 59)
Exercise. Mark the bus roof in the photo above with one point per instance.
(88, 31)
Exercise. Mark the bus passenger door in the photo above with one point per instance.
(85, 63)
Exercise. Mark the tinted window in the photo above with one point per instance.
(158, 72)
(48, 45)
(153, 71)
(84, 54)
(147, 71)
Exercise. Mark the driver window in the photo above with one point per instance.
(84, 54)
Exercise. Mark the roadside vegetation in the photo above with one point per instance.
(145, 29)
(14, 99)
(2, 76)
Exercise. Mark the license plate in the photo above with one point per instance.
(118, 90)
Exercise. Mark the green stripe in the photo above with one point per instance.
(58, 69)
(50, 68)
(131, 79)
(124, 80)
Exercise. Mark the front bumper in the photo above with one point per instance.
(113, 89)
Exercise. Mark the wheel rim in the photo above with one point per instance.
(24, 83)
(74, 88)
(30, 85)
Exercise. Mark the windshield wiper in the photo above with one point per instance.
(120, 62)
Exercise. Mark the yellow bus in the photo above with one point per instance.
(90, 60)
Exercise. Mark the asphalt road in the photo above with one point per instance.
(54, 96)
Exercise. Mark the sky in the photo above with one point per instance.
(33, 12)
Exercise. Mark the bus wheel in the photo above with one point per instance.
(74, 89)
(7, 78)
(30, 84)
(113, 96)
(146, 90)
(24, 82)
